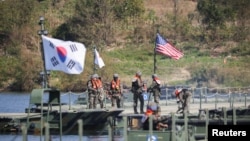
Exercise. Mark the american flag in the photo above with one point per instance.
(165, 48)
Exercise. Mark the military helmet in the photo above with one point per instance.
(154, 75)
(178, 91)
(95, 75)
(138, 73)
(115, 75)
(152, 106)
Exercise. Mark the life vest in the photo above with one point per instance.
(96, 83)
(177, 92)
(146, 115)
(115, 84)
(157, 80)
(149, 112)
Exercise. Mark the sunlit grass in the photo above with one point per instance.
(131, 59)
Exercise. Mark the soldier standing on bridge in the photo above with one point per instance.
(137, 89)
(116, 91)
(95, 91)
(155, 88)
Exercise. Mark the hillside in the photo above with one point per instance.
(215, 42)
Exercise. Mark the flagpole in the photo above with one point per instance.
(154, 60)
(94, 68)
(41, 32)
(155, 52)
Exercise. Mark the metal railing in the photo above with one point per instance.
(200, 95)
(187, 133)
(203, 95)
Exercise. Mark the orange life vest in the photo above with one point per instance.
(115, 84)
(149, 112)
(157, 80)
(96, 83)
(136, 78)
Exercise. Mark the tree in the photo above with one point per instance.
(91, 23)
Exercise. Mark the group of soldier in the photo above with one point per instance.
(96, 94)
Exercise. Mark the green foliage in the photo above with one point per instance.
(92, 20)
(242, 50)
(6, 77)
(215, 12)
(14, 14)
(128, 8)
(124, 33)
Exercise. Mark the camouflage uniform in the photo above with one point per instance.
(159, 121)
(155, 88)
(184, 96)
(137, 90)
(94, 93)
(116, 91)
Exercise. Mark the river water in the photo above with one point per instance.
(17, 102)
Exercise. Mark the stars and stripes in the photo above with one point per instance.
(165, 48)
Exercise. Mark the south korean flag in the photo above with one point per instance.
(66, 56)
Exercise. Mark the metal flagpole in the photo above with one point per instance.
(155, 54)
(154, 60)
(154, 66)
(41, 32)
(94, 68)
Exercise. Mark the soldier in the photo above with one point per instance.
(137, 90)
(184, 97)
(116, 91)
(94, 91)
(100, 92)
(159, 122)
(155, 88)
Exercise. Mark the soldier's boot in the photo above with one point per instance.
(91, 106)
(94, 106)
(141, 109)
(118, 105)
(135, 110)
(101, 105)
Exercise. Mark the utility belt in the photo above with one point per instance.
(100, 93)
(115, 93)
(137, 90)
